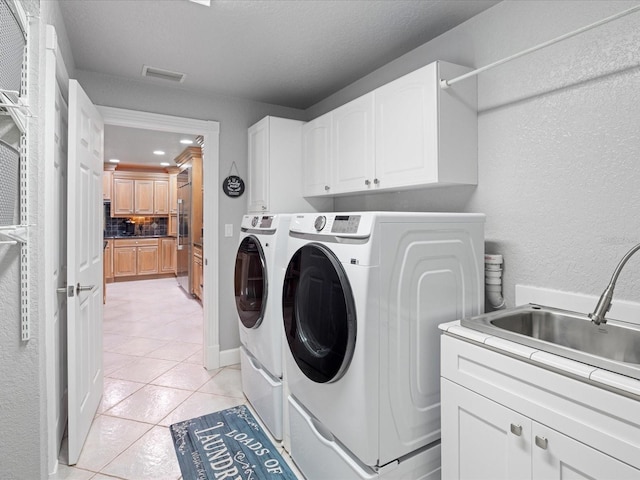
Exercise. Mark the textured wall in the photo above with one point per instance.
(558, 142)
(21, 405)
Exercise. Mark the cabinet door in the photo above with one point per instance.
(122, 197)
(259, 167)
(556, 456)
(147, 260)
(482, 440)
(173, 193)
(167, 255)
(352, 159)
(161, 197)
(316, 156)
(124, 261)
(144, 197)
(172, 229)
(107, 180)
(406, 112)
(108, 260)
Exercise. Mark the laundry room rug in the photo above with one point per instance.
(227, 444)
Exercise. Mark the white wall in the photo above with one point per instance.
(559, 142)
(235, 117)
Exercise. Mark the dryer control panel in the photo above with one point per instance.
(345, 224)
(348, 225)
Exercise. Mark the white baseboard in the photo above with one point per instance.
(230, 357)
(622, 310)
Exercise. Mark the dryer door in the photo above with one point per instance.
(250, 282)
(319, 313)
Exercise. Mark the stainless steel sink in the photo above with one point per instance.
(613, 346)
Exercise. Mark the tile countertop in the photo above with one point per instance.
(597, 376)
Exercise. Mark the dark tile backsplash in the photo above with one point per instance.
(145, 226)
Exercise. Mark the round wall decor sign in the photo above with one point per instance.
(233, 186)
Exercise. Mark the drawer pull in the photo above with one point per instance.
(516, 429)
(542, 442)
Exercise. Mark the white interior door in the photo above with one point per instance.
(84, 265)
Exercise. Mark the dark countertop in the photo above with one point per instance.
(136, 236)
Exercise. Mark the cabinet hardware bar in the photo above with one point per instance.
(444, 84)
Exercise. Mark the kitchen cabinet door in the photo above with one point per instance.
(107, 180)
(557, 456)
(144, 197)
(147, 260)
(316, 156)
(122, 197)
(352, 158)
(168, 255)
(481, 439)
(124, 261)
(258, 179)
(173, 193)
(161, 197)
(172, 229)
(108, 260)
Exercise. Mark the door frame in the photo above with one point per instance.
(210, 130)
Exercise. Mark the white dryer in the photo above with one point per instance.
(258, 281)
(362, 299)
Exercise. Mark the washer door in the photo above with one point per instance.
(319, 313)
(250, 282)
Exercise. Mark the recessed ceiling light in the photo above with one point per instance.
(186, 141)
(158, 152)
(165, 164)
(114, 160)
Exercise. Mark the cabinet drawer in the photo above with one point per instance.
(138, 242)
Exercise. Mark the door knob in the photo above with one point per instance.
(516, 429)
(376, 181)
(367, 182)
(326, 188)
(68, 291)
(84, 288)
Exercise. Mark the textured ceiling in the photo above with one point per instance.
(286, 52)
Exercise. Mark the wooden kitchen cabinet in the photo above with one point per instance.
(168, 255)
(107, 183)
(108, 260)
(144, 202)
(124, 261)
(161, 197)
(135, 257)
(172, 228)
(122, 199)
(137, 193)
(173, 193)
(197, 278)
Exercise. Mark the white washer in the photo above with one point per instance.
(363, 296)
(259, 269)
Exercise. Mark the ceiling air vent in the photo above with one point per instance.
(162, 74)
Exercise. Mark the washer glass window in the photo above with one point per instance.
(319, 313)
(250, 282)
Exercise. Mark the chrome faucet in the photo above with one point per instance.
(604, 304)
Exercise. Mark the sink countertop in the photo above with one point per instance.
(605, 378)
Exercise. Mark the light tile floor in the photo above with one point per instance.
(153, 378)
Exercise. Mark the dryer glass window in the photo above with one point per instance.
(319, 313)
(250, 282)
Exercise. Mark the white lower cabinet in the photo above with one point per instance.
(483, 439)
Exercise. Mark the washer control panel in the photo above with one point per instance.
(345, 224)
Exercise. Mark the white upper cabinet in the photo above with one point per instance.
(274, 183)
(408, 133)
(316, 158)
(258, 181)
(352, 159)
